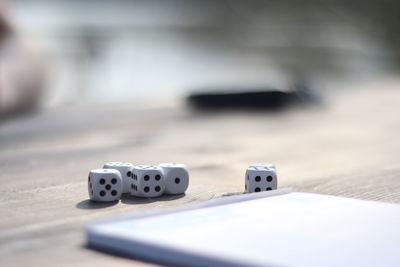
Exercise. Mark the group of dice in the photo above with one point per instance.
(260, 177)
(115, 178)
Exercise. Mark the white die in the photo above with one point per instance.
(125, 168)
(176, 178)
(147, 181)
(104, 185)
(260, 178)
(268, 165)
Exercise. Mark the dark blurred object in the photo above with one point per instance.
(256, 99)
(21, 71)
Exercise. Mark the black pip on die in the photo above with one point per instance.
(147, 181)
(125, 168)
(105, 185)
(260, 177)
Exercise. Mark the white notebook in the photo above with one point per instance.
(274, 228)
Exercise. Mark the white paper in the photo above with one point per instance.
(295, 229)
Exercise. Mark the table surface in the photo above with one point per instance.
(348, 146)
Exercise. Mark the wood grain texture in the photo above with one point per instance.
(347, 147)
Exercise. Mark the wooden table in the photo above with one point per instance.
(349, 146)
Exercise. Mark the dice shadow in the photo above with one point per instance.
(128, 199)
(87, 204)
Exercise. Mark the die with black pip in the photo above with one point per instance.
(104, 185)
(260, 177)
(147, 181)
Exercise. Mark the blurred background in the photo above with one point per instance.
(62, 52)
